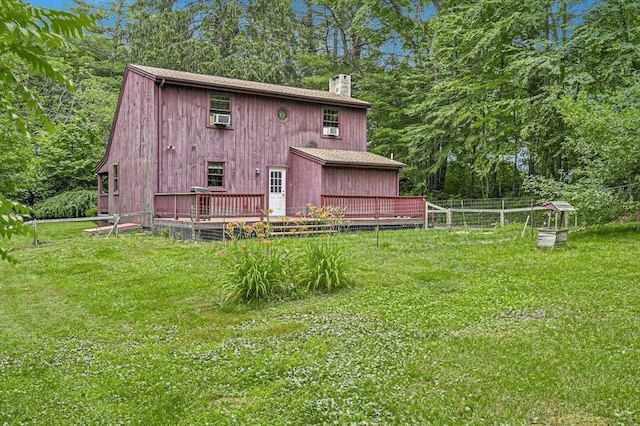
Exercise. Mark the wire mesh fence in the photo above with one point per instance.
(487, 203)
(488, 213)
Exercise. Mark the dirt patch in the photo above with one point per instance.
(574, 420)
(230, 400)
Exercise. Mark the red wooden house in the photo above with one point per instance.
(186, 144)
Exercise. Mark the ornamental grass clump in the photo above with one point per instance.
(259, 270)
(254, 273)
(324, 266)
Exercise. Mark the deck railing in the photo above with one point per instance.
(376, 206)
(205, 206)
(229, 205)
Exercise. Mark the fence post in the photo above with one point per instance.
(426, 215)
(532, 217)
(449, 218)
(116, 218)
(193, 228)
(34, 226)
(502, 217)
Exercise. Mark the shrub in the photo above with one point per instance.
(595, 203)
(92, 212)
(324, 266)
(254, 273)
(68, 204)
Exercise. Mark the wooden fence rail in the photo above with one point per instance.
(432, 210)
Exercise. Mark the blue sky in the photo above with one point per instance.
(65, 4)
(52, 4)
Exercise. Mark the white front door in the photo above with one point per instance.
(277, 192)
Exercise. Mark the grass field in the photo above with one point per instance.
(441, 327)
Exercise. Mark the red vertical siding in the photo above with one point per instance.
(133, 147)
(303, 184)
(353, 181)
(256, 139)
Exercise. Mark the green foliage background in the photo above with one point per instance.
(475, 97)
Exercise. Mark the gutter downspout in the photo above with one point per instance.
(158, 149)
(158, 133)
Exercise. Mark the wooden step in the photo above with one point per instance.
(122, 227)
(308, 233)
(301, 228)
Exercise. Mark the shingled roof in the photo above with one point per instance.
(235, 85)
(339, 157)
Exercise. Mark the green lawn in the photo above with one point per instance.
(441, 327)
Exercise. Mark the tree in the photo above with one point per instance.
(26, 32)
(482, 83)
(67, 157)
(599, 108)
(12, 217)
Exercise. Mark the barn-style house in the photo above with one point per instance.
(185, 144)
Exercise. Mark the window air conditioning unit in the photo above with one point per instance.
(199, 189)
(330, 131)
(222, 119)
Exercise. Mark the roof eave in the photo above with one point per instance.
(307, 156)
(159, 77)
(103, 161)
(362, 165)
(354, 164)
(273, 93)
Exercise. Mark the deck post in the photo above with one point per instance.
(377, 208)
(175, 206)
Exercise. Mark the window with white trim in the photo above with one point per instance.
(116, 179)
(219, 106)
(215, 174)
(331, 118)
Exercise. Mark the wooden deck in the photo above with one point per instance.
(213, 229)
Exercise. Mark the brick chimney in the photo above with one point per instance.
(340, 84)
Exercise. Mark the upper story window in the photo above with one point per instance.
(219, 110)
(116, 179)
(215, 174)
(331, 122)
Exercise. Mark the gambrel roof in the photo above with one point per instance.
(340, 157)
(245, 86)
